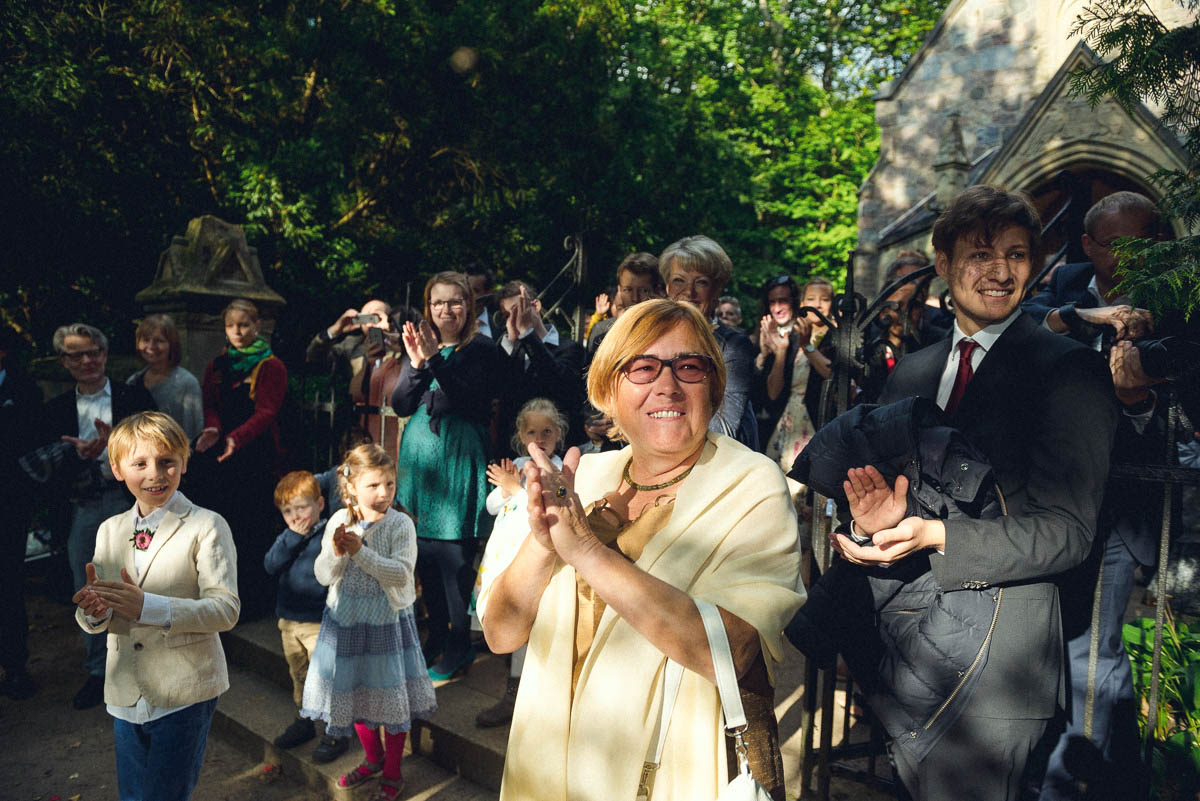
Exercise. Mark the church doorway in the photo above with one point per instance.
(1063, 199)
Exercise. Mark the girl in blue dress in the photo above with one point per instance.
(367, 670)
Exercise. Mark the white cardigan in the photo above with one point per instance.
(389, 559)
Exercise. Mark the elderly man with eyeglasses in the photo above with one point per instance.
(82, 417)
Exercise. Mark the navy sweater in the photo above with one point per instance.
(301, 597)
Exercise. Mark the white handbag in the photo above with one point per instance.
(743, 787)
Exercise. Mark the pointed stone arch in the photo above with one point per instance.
(1104, 144)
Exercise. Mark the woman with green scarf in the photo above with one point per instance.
(243, 390)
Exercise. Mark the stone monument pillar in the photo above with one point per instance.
(197, 276)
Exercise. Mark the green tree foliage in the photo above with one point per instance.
(1144, 60)
(365, 144)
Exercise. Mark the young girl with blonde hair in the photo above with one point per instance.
(367, 670)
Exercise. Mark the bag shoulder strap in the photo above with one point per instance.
(731, 700)
(727, 686)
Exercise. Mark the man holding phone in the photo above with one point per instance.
(354, 346)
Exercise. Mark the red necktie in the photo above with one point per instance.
(966, 347)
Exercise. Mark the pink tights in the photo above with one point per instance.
(376, 752)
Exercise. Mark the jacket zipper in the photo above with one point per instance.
(982, 648)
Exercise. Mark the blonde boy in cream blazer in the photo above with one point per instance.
(162, 583)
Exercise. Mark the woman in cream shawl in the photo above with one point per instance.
(582, 724)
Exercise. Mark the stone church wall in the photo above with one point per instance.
(986, 60)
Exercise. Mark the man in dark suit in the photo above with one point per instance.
(536, 362)
(83, 416)
(1040, 408)
(1130, 517)
(20, 405)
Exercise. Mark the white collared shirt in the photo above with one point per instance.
(551, 338)
(985, 338)
(89, 408)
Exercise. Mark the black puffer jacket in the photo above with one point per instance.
(917, 649)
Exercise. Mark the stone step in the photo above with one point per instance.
(449, 737)
(255, 710)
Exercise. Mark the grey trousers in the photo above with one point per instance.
(982, 759)
(86, 517)
(1115, 721)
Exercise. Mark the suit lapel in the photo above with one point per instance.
(931, 375)
(918, 373)
(125, 543)
(997, 369)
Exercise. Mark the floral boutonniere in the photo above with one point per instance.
(141, 538)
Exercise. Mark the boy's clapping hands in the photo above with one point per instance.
(505, 476)
(87, 599)
(97, 597)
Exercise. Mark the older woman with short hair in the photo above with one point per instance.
(603, 589)
(696, 269)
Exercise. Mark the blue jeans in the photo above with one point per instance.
(160, 760)
(1113, 729)
(86, 517)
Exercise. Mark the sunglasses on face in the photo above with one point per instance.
(690, 368)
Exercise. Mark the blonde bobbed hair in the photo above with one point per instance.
(633, 334)
(156, 427)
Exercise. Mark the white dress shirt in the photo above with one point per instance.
(509, 346)
(985, 338)
(89, 408)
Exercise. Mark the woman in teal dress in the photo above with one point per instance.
(447, 385)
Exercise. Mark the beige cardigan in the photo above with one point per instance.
(194, 563)
(731, 540)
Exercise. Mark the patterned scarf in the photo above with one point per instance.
(246, 359)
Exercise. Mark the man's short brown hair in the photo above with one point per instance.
(513, 288)
(980, 213)
(642, 263)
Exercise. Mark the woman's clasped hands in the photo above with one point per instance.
(420, 342)
(556, 516)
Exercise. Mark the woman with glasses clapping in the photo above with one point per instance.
(603, 588)
(447, 385)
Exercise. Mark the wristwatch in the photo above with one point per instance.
(810, 347)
